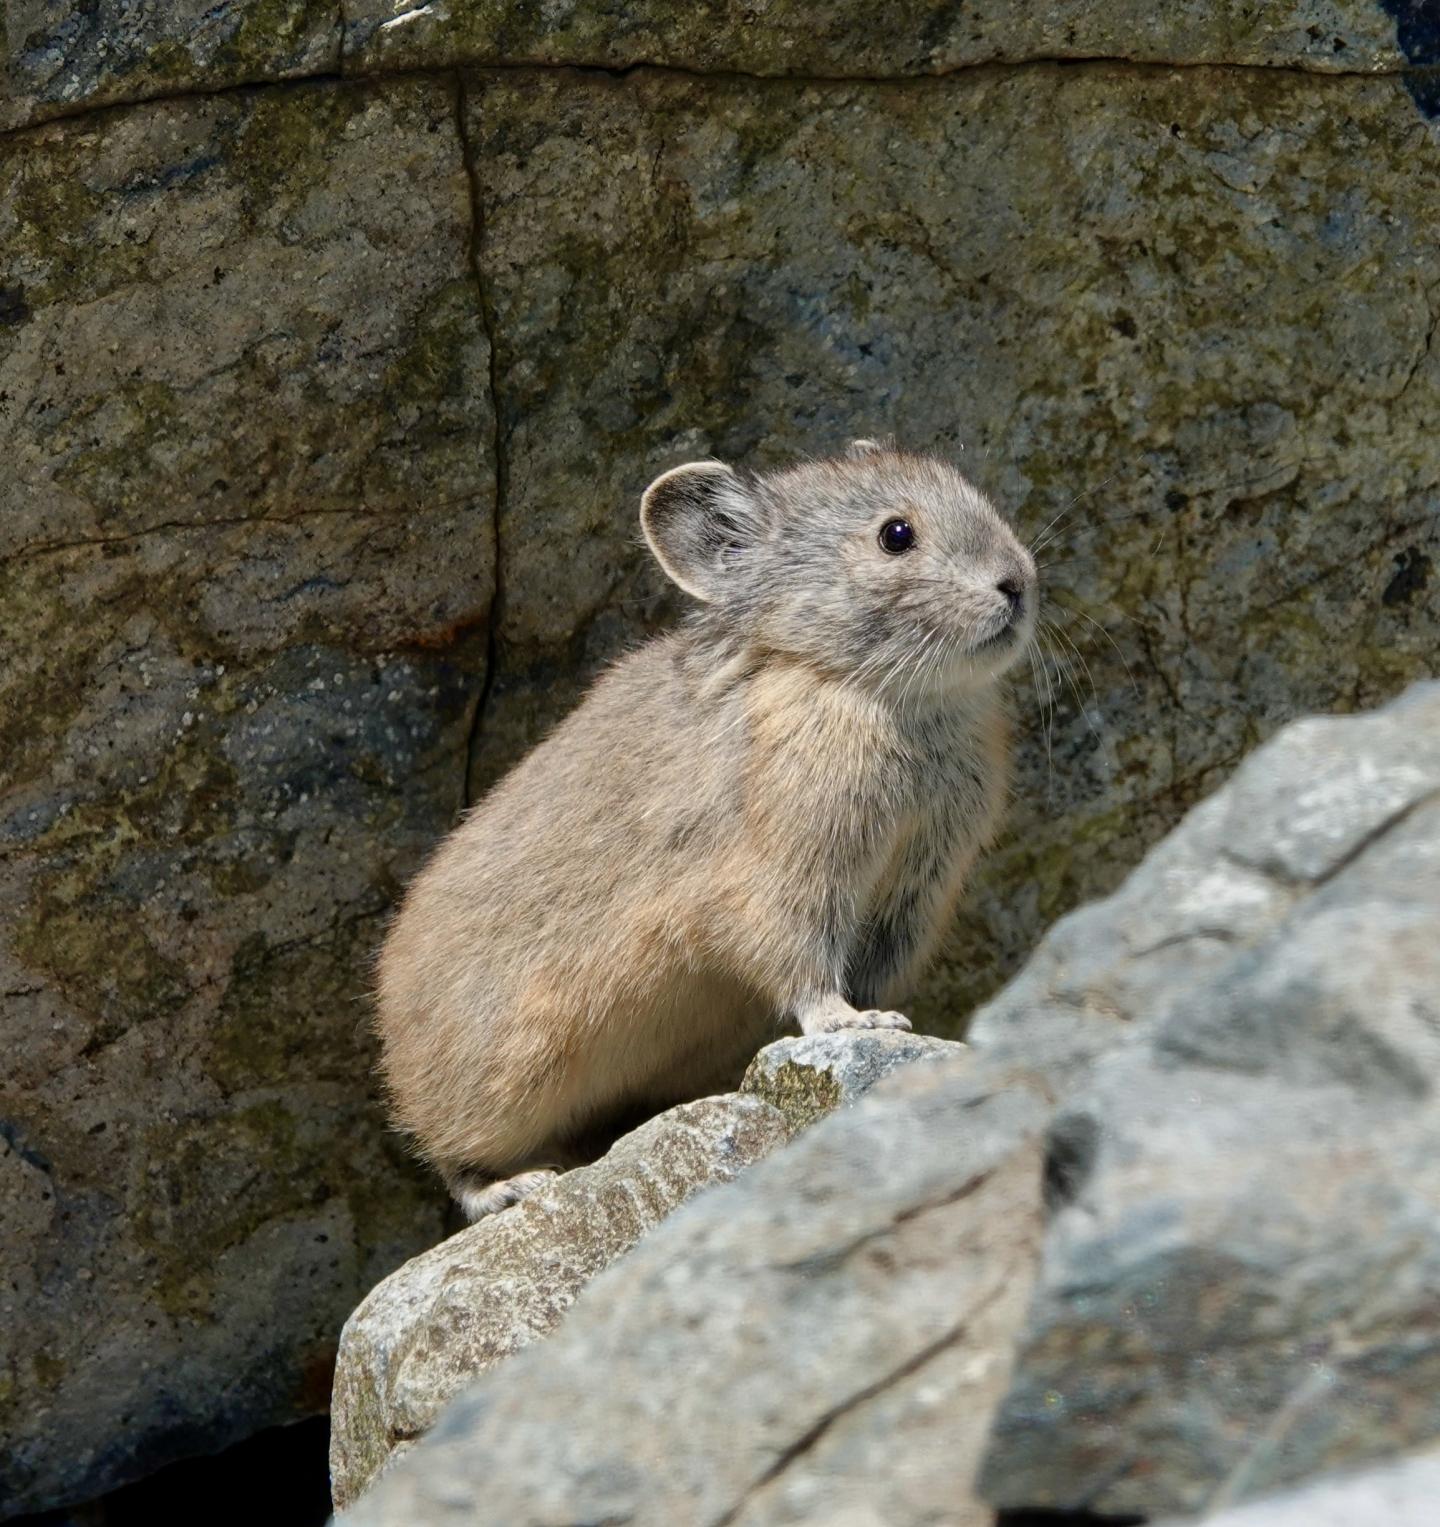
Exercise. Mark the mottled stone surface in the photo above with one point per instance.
(57, 58)
(1238, 1286)
(917, 37)
(1194, 306)
(769, 1352)
(448, 1315)
(808, 1076)
(455, 1311)
(245, 564)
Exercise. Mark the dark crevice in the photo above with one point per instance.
(1417, 30)
(166, 527)
(1071, 1146)
(1422, 79)
(1308, 886)
(812, 1434)
(108, 107)
(836, 1256)
(497, 444)
(280, 1476)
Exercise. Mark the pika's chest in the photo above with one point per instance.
(945, 772)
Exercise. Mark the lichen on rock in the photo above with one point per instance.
(246, 520)
(808, 1077)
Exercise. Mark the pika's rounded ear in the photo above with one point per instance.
(858, 448)
(692, 517)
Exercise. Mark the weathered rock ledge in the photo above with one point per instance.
(499, 1285)
(1165, 1239)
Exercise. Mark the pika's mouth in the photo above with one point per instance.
(1004, 637)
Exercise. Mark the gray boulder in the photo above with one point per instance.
(1238, 1287)
(450, 1314)
(769, 1352)
(455, 1311)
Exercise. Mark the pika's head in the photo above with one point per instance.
(883, 565)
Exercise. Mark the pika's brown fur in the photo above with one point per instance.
(767, 814)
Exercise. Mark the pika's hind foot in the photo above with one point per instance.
(479, 1196)
(826, 1015)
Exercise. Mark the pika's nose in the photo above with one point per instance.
(1014, 593)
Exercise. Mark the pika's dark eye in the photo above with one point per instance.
(896, 536)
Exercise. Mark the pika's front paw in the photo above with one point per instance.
(833, 1021)
(873, 1018)
(828, 1013)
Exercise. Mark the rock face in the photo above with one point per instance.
(57, 59)
(294, 376)
(1238, 1289)
(245, 542)
(452, 1313)
(61, 59)
(1221, 1186)
(448, 1315)
(770, 1350)
(920, 37)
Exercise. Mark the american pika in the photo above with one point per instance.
(766, 814)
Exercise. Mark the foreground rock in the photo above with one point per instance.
(480, 1296)
(1404, 1494)
(1220, 1083)
(448, 1315)
(1238, 1290)
(769, 1352)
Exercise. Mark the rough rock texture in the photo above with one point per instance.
(245, 562)
(767, 1353)
(918, 37)
(809, 1076)
(450, 1314)
(1402, 1494)
(453, 1312)
(58, 58)
(1199, 300)
(1238, 1289)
